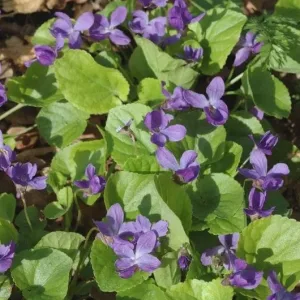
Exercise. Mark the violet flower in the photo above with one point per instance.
(175, 101)
(267, 142)
(249, 46)
(153, 30)
(184, 259)
(64, 27)
(225, 252)
(7, 253)
(186, 171)
(244, 276)
(158, 3)
(192, 54)
(214, 107)
(6, 155)
(256, 203)
(257, 113)
(278, 290)
(23, 175)
(94, 185)
(3, 97)
(262, 179)
(157, 122)
(103, 28)
(137, 257)
(109, 230)
(179, 16)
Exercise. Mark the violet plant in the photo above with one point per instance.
(166, 175)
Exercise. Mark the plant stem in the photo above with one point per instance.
(24, 131)
(79, 214)
(242, 165)
(10, 111)
(25, 211)
(234, 80)
(230, 75)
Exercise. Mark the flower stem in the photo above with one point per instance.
(23, 132)
(230, 75)
(234, 80)
(242, 165)
(25, 211)
(10, 111)
(79, 214)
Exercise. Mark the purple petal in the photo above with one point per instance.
(119, 38)
(174, 18)
(266, 213)
(188, 174)
(118, 16)
(90, 171)
(241, 56)
(229, 241)
(148, 263)
(166, 159)
(217, 116)
(160, 3)
(124, 263)
(256, 48)
(273, 282)
(208, 255)
(249, 38)
(272, 182)
(97, 185)
(259, 162)
(195, 100)
(60, 42)
(198, 18)
(124, 250)
(84, 22)
(127, 273)
(248, 173)
(256, 199)
(187, 158)
(279, 169)
(116, 217)
(1, 139)
(175, 133)
(38, 183)
(64, 17)
(61, 27)
(258, 113)
(156, 120)
(216, 89)
(45, 55)
(82, 184)
(159, 139)
(75, 40)
(143, 223)
(145, 244)
(160, 228)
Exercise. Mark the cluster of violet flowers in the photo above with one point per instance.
(133, 242)
(242, 275)
(262, 179)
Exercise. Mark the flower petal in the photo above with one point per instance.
(248, 173)
(187, 158)
(188, 174)
(166, 159)
(229, 241)
(145, 244)
(241, 56)
(90, 171)
(216, 89)
(118, 16)
(195, 100)
(148, 263)
(143, 223)
(280, 169)
(256, 199)
(115, 215)
(207, 256)
(38, 183)
(84, 22)
(175, 133)
(159, 139)
(82, 184)
(156, 120)
(259, 162)
(160, 228)
(273, 282)
(75, 40)
(119, 38)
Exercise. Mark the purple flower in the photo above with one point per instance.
(109, 230)
(184, 259)
(63, 27)
(179, 16)
(153, 30)
(215, 109)
(158, 3)
(137, 257)
(7, 253)
(256, 203)
(24, 175)
(225, 252)
(278, 291)
(175, 101)
(262, 179)
(3, 97)
(94, 185)
(266, 143)
(46, 55)
(103, 28)
(244, 276)
(257, 113)
(192, 54)
(157, 122)
(249, 46)
(6, 155)
(186, 171)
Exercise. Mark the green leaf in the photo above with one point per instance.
(272, 97)
(61, 123)
(143, 164)
(123, 146)
(230, 161)
(42, 274)
(207, 140)
(37, 87)
(144, 291)
(42, 36)
(148, 60)
(108, 59)
(103, 262)
(150, 92)
(34, 217)
(156, 197)
(201, 290)
(198, 6)
(8, 232)
(168, 273)
(5, 287)
(218, 32)
(89, 86)
(272, 243)
(67, 242)
(218, 202)
(7, 206)
(288, 8)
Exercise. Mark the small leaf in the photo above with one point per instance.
(7, 206)
(34, 217)
(42, 36)
(150, 92)
(42, 274)
(61, 123)
(5, 287)
(89, 86)
(8, 232)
